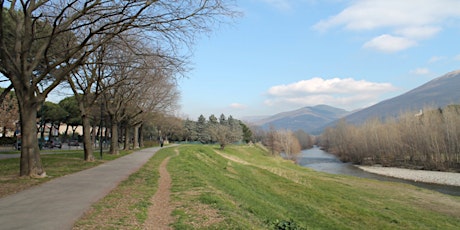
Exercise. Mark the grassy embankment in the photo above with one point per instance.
(59, 163)
(242, 188)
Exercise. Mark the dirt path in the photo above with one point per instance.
(159, 214)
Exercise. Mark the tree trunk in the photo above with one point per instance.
(66, 130)
(136, 137)
(127, 138)
(106, 134)
(141, 136)
(74, 129)
(57, 127)
(30, 164)
(114, 143)
(42, 131)
(93, 136)
(50, 133)
(87, 144)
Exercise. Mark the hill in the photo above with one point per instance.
(308, 119)
(243, 188)
(436, 93)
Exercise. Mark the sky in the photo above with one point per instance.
(282, 55)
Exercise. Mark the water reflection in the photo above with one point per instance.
(323, 161)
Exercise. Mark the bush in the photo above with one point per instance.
(7, 140)
(285, 225)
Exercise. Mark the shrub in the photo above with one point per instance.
(285, 225)
(7, 140)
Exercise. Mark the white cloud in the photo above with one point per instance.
(421, 71)
(389, 44)
(345, 93)
(421, 32)
(237, 106)
(410, 20)
(436, 59)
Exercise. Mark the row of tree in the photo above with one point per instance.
(428, 140)
(117, 54)
(220, 130)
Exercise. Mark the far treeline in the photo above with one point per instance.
(427, 140)
(229, 130)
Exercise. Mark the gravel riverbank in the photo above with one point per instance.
(445, 178)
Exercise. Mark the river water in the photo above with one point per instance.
(322, 161)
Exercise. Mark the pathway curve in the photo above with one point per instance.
(58, 203)
(159, 213)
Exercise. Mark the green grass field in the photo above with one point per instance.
(60, 163)
(243, 188)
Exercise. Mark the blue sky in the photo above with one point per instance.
(282, 55)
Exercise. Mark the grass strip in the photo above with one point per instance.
(126, 207)
(57, 164)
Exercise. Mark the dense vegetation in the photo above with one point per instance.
(223, 130)
(243, 187)
(427, 140)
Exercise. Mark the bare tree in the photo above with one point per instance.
(41, 42)
(290, 146)
(221, 134)
(107, 68)
(306, 141)
(149, 87)
(427, 140)
(157, 95)
(272, 141)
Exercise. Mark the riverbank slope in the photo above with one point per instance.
(242, 187)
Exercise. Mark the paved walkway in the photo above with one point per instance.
(58, 203)
(17, 155)
(7, 156)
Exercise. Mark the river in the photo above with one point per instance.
(320, 160)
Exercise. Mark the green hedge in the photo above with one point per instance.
(7, 140)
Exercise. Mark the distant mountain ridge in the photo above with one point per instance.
(308, 119)
(437, 93)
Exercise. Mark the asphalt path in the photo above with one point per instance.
(58, 203)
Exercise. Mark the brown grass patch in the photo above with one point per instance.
(203, 215)
(115, 213)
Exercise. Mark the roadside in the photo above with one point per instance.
(58, 203)
(17, 155)
(11, 152)
(435, 177)
(9, 155)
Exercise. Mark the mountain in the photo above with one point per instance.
(308, 119)
(436, 93)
